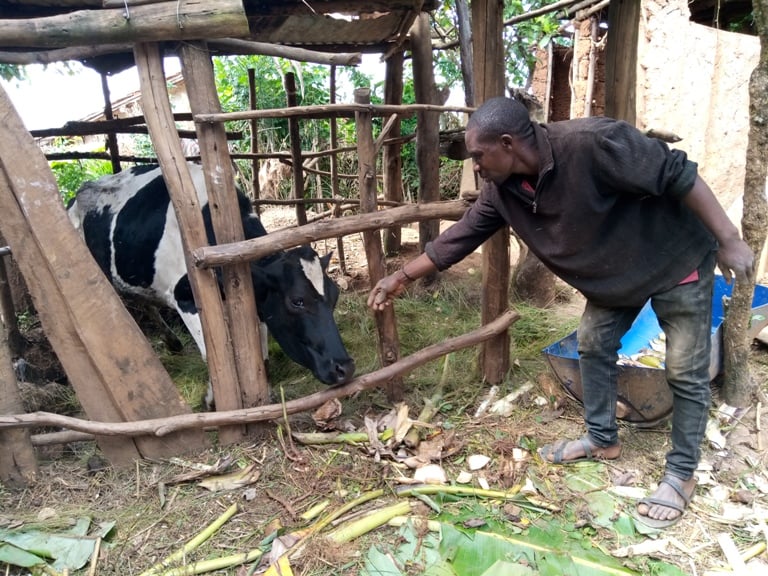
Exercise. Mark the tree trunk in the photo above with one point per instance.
(739, 388)
(532, 282)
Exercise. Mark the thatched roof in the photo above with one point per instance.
(101, 32)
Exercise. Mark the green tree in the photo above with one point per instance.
(520, 41)
(313, 88)
(11, 72)
(71, 174)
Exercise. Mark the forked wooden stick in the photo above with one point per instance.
(163, 426)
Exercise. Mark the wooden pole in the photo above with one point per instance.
(621, 60)
(464, 27)
(386, 322)
(116, 379)
(329, 110)
(253, 104)
(205, 288)
(161, 427)
(251, 387)
(114, 150)
(428, 127)
(489, 82)
(590, 89)
(230, 46)
(18, 462)
(392, 158)
(255, 248)
(161, 21)
(295, 134)
(335, 180)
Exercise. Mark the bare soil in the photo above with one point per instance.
(156, 513)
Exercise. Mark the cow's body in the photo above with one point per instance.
(129, 224)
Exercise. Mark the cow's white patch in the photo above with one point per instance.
(313, 270)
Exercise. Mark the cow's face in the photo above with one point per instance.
(296, 298)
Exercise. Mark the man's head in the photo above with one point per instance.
(500, 140)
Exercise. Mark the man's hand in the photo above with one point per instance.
(386, 290)
(735, 258)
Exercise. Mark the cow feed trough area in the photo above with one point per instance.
(158, 497)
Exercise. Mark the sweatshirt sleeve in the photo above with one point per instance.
(635, 163)
(479, 222)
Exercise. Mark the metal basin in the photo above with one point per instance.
(644, 397)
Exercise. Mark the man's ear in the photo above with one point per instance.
(507, 141)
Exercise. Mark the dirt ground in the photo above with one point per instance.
(157, 507)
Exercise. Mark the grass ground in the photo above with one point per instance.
(152, 510)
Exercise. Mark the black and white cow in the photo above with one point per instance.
(128, 223)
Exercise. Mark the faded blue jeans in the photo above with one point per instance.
(685, 315)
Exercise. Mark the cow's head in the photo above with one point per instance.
(296, 298)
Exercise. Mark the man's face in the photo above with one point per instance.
(492, 159)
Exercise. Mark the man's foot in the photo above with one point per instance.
(570, 451)
(666, 505)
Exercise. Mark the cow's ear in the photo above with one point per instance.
(325, 260)
(263, 279)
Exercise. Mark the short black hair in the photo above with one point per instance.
(501, 115)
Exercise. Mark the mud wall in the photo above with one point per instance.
(694, 81)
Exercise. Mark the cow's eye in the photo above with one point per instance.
(297, 302)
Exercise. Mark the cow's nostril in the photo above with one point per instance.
(345, 371)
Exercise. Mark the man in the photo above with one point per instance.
(622, 218)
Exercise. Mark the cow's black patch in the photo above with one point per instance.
(182, 292)
(252, 226)
(97, 239)
(139, 226)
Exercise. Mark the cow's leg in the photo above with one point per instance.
(264, 335)
(184, 303)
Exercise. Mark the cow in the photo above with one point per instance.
(129, 225)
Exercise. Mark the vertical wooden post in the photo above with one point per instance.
(487, 18)
(392, 159)
(116, 379)
(240, 302)
(114, 149)
(428, 141)
(255, 186)
(621, 60)
(165, 139)
(18, 462)
(464, 27)
(295, 134)
(386, 323)
(335, 173)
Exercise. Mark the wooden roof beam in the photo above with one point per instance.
(156, 22)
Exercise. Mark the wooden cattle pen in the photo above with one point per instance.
(132, 406)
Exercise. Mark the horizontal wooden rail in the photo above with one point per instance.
(256, 248)
(164, 426)
(329, 111)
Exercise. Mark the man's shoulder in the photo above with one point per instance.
(591, 124)
(596, 131)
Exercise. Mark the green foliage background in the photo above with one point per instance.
(313, 83)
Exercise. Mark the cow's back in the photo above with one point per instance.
(129, 225)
